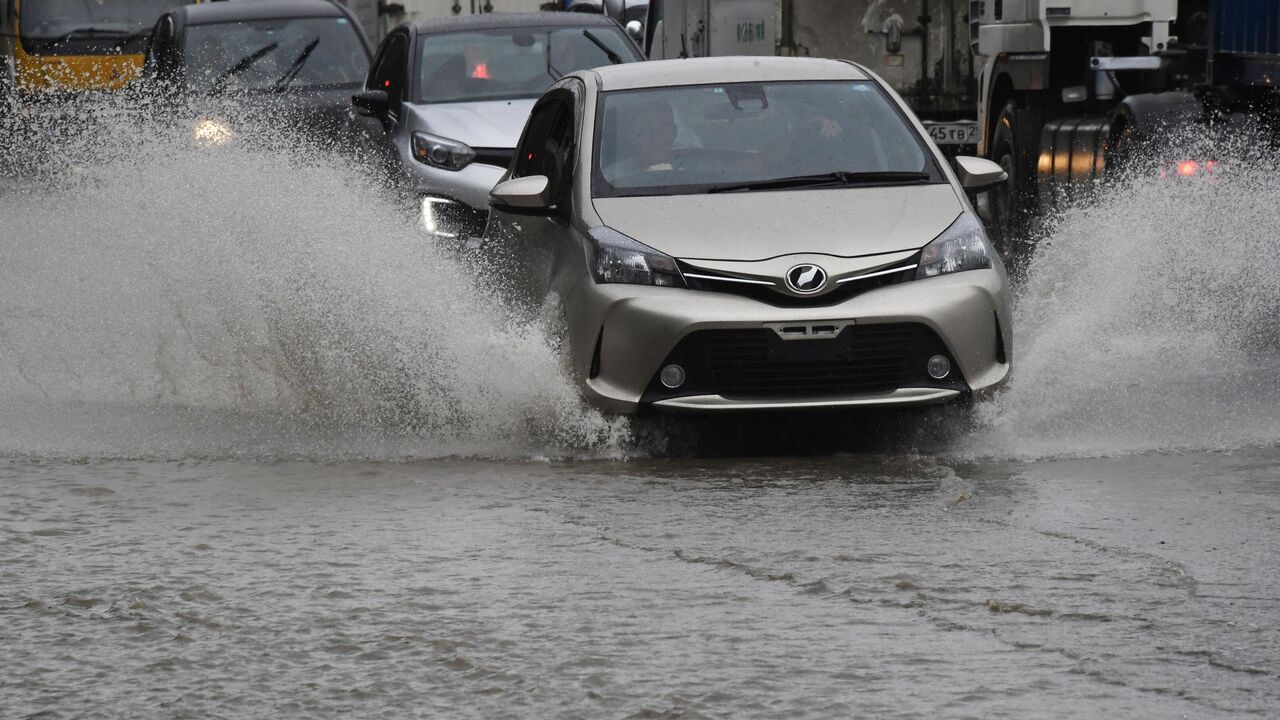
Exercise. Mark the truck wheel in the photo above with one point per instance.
(1010, 201)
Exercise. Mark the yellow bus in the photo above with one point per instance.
(75, 45)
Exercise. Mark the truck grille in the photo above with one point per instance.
(861, 359)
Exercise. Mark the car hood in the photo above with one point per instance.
(754, 226)
(325, 110)
(490, 124)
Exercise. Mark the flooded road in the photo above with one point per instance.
(264, 452)
(873, 586)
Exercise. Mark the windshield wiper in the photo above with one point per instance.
(840, 178)
(295, 67)
(132, 36)
(614, 57)
(242, 65)
(90, 31)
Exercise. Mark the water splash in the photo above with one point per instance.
(1149, 319)
(161, 299)
(158, 297)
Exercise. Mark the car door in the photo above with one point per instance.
(540, 247)
(388, 73)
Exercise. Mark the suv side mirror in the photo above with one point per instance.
(370, 103)
(529, 195)
(978, 174)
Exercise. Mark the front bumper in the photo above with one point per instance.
(453, 205)
(622, 335)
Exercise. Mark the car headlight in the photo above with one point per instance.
(617, 258)
(209, 131)
(441, 152)
(963, 246)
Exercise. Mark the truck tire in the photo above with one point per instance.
(1012, 203)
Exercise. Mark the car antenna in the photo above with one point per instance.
(684, 48)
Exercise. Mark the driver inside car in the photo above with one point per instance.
(650, 151)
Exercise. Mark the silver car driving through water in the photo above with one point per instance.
(446, 98)
(753, 233)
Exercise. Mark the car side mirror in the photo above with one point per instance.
(370, 103)
(978, 174)
(636, 31)
(530, 195)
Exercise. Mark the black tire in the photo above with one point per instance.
(1012, 203)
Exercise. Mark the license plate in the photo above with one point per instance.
(956, 133)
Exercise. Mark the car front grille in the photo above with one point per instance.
(754, 363)
(775, 295)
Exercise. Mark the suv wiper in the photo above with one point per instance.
(824, 180)
(295, 67)
(241, 65)
(614, 57)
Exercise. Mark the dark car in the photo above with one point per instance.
(290, 63)
(447, 98)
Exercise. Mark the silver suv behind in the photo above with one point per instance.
(446, 99)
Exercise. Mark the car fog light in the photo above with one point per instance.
(672, 376)
(939, 367)
(431, 219)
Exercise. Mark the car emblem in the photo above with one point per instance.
(806, 279)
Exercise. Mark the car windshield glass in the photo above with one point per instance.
(706, 138)
(271, 54)
(512, 62)
(102, 22)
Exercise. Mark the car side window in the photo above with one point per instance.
(390, 70)
(548, 145)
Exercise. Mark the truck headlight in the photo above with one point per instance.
(616, 258)
(441, 152)
(963, 246)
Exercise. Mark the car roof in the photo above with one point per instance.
(218, 12)
(500, 21)
(701, 71)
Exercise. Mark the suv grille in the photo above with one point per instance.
(862, 359)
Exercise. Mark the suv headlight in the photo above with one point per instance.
(963, 246)
(616, 258)
(441, 152)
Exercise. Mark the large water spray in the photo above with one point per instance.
(162, 298)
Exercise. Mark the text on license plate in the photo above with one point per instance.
(959, 133)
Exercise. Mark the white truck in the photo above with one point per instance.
(1069, 88)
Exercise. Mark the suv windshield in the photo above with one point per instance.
(511, 63)
(88, 26)
(272, 54)
(754, 136)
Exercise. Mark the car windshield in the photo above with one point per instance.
(101, 23)
(274, 54)
(512, 62)
(704, 138)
